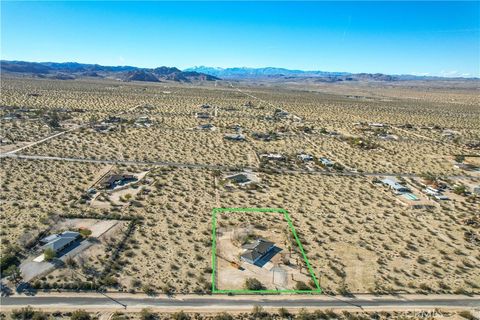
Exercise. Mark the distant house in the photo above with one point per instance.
(236, 127)
(143, 121)
(395, 186)
(473, 145)
(257, 250)
(234, 137)
(305, 157)
(476, 190)
(117, 180)
(466, 166)
(103, 127)
(114, 120)
(11, 116)
(243, 178)
(376, 125)
(273, 156)
(264, 136)
(4, 141)
(58, 242)
(326, 162)
(296, 118)
(202, 115)
(448, 133)
(280, 114)
(207, 126)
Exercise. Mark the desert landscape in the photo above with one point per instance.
(319, 151)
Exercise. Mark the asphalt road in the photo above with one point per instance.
(402, 302)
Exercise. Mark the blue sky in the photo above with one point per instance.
(431, 38)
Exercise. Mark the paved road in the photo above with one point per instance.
(239, 303)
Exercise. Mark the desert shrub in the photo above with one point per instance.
(305, 315)
(300, 285)
(223, 316)
(38, 315)
(180, 316)
(459, 158)
(110, 281)
(253, 284)
(148, 289)
(85, 232)
(118, 316)
(147, 314)
(467, 315)
(13, 272)
(283, 313)
(80, 315)
(23, 314)
(8, 259)
(460, 190)
(70, 262)
(259, 312)
(49, 254)
(135, 283)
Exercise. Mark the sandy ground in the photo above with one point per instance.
(98, 227)
(347, 225)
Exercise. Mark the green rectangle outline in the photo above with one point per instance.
(292, 228)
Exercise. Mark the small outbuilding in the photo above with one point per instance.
(234, 137)
(273, 156)
(243, 178)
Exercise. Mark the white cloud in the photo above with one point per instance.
(421, 74)
(449, 73)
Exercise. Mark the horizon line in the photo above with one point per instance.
(415, 74)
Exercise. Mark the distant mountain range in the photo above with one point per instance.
(73, 70)
(262, 72)
(319, 76)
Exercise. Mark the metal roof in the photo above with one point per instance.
(257, 249)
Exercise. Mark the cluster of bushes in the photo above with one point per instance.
(9, 261)
(361, 143)
(77, 285)
(253, 284)
(27, 313)
(114, 264)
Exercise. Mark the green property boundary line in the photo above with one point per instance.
(290, 224)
